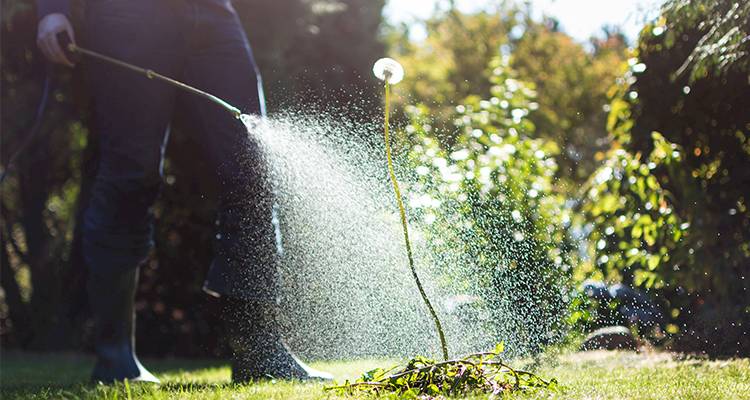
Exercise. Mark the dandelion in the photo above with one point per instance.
(388, 70)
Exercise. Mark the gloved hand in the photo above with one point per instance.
(46, 38)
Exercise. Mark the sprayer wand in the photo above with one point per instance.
(72, 49)
(150, 74)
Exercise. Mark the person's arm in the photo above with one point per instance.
(53, 16)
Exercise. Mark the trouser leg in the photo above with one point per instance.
(247, 242)
(131, 116)
(245, 270)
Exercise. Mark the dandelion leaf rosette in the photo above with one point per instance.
(479, 373)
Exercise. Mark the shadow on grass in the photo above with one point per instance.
(70, 372)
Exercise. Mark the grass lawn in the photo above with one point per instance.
(592, 375)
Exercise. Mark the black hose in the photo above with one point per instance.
(34, 131)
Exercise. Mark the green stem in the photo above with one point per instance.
(402, 212)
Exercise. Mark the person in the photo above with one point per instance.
(202, 43)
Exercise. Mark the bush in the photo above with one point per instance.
(495, 222)
(669, 208)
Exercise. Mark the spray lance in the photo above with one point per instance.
(148, 73)
(74, 51)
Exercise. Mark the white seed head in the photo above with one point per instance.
(389, 70)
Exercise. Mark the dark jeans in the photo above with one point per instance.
(202, 43)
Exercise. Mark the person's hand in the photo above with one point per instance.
(46, 37)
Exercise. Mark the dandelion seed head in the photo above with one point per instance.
(388, 70)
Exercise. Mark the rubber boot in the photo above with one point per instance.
(112, 303)
(258, 350)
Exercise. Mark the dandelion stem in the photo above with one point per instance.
(402, 212)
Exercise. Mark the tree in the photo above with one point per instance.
(316, 52)
(724, 27)
(451, 63)
(572, 86)
(38, 202)
(669, 207)
(571, 83)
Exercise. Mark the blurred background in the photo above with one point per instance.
(627, 122)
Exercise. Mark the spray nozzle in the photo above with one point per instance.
(388, 70)
(67, 46)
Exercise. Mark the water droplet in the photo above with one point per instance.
(516, 215)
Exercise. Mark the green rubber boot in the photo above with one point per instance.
(258, 351)
(112, 302)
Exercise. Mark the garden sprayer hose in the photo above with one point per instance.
(35, 128)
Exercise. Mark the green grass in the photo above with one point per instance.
(592, 375)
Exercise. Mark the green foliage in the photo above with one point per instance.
(669, 210)
(490, 205)
(474, 374)
(571, 83)
(724, 27)
(637, 230)
(38, 197)
(573, 94)
(451, 63)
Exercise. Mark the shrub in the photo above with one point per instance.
(669, 207)
(494, 219)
